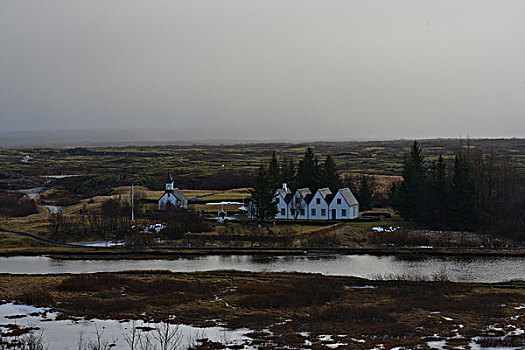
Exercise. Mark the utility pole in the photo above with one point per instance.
(132, 213)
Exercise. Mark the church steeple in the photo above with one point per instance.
(169, 182)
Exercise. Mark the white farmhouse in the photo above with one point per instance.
(282, 199)
(173, 196)
(319, 205)
(344, 205)
(299, 204)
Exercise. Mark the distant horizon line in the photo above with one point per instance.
(112, 137)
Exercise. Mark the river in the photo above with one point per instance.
(460, 269)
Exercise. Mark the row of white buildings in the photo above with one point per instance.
(301, 205)
(323, 205)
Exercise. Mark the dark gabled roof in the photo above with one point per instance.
(283, 193)
(303, 192)
(324, 192)
(169, 179)
(308, 198)
(348, 196)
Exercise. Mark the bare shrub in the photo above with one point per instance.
(81, 283)
(16, 204)
(347, 313)
(302, 292)
(36, 297)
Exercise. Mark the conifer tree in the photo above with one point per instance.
(274, 172)
(308, 172)
(329, 176)
(288, 173)
(263, 205)
(437, 199)
(462, 209)
(366, 192)
(409, 198)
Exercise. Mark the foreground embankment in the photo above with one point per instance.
(285, 309)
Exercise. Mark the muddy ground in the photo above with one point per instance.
(280, 307)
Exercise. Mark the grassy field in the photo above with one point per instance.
(293, 310)
(217, 167)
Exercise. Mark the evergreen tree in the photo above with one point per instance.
(274, 172)
(462, 209)
(409, 196)
(365, 193)
(288, 173)
(308, 172)
(329, 176)
(263, 204)
(437, 199)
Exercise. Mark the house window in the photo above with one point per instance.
(338, 200)
(313, 212)
(283, 211)
(343, 212)
(323, 212)
(292, 211)
(318, 201)
(302, 212)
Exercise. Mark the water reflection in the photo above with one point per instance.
(54, 329)
(465, 269)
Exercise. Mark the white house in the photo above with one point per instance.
(173, 196)
(319, 205)
(343, 205)
(299, 204)
(282, 200)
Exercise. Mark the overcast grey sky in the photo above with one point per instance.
(266, 69)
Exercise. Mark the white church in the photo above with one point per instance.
(173, 196)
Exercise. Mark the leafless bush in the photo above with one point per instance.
(99, 343)
(30, 341)
(36, 297)
(16, 204)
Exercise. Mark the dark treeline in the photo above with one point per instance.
(477, 191)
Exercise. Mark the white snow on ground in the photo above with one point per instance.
(58, 176)
(361, 287)
(358, 340)
(335, 345)
(385, 229)
(325, 337)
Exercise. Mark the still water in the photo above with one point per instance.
(66, 333)
(472, 269)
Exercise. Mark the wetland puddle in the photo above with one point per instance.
(65, 334)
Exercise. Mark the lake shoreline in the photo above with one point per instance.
(94, 253)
